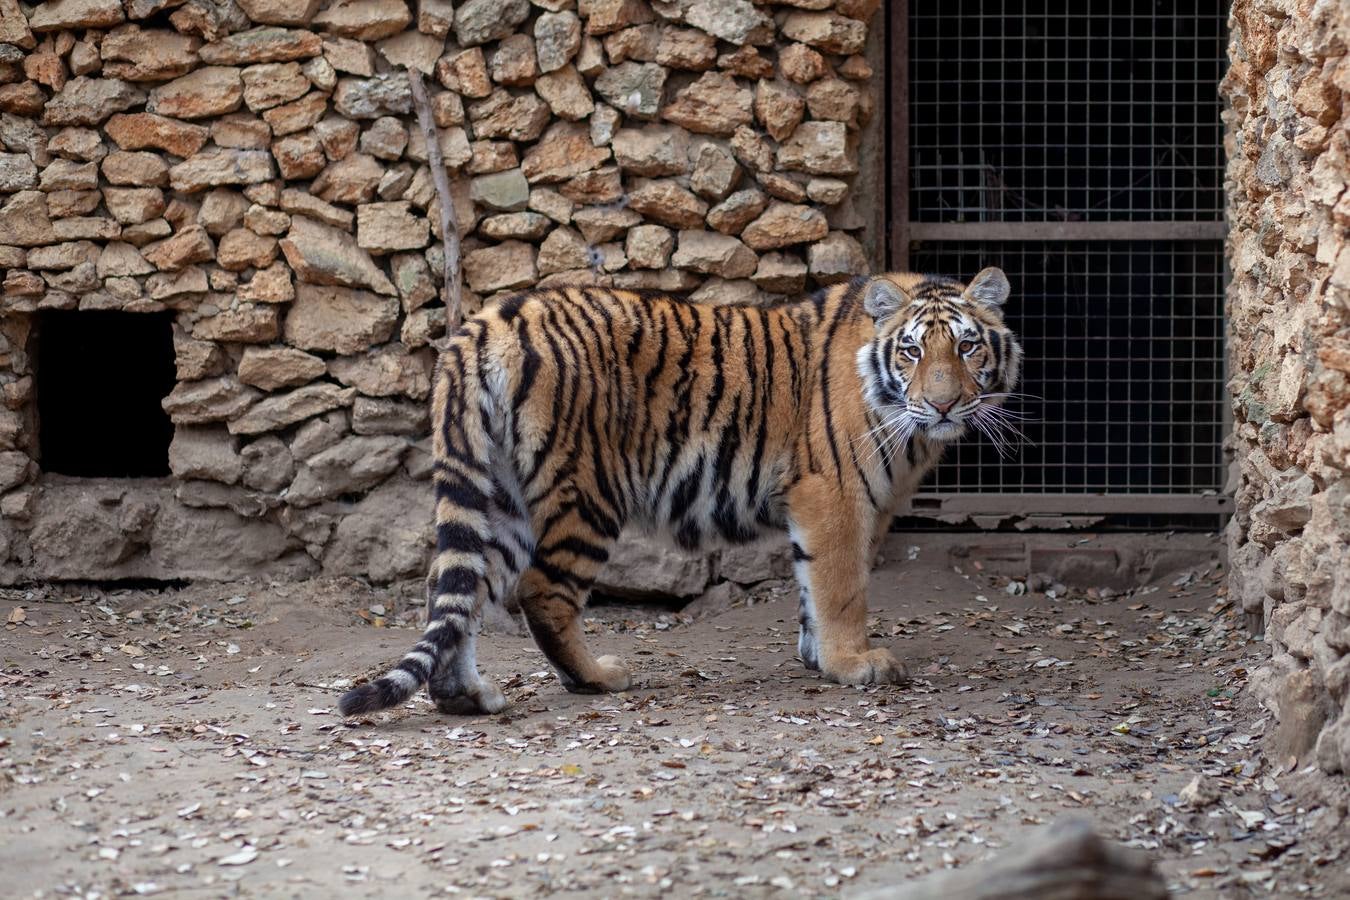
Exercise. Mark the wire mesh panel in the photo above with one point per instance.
(1098, 125)
(1065, 111)
(1124, 346)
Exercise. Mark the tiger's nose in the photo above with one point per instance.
(943, 408)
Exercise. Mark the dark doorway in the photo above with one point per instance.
(100, 379)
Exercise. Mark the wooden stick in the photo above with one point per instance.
(1067, 861)
(440, 179)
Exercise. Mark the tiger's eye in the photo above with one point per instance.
(913, 352)
(967, 346)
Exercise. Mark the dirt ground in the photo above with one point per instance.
(184, 742)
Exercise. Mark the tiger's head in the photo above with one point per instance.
(941, 357)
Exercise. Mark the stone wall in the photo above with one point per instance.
(255, 167)
(1289, 308)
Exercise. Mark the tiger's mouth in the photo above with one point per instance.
(946, 429)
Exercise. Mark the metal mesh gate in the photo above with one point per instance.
(1079, 147)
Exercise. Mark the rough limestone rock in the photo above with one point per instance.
(216, 167)
(208, 452)
(504, 267)
(714, 254)
(273, 368)
(61, 15)
(652, 150)
(643, 568)
(320, 254)
(365, 20)
(557, 39)
(783, 224)
(280, 12)
(262, 45)
(480, 21)
(667, 202)
(714, 104)
(826, 31)
(279, 410)
(780, 273)
(836, 258)
(635, 89)
(339, 320)
(385, 534)
(387, 227)
(370, 98)
(821, 148)
(268, 465)
(243, 323)
(386, 371)
(211, 400)
(147, 131)
(737, 211)
(734, 21)
(353, 464)
(90, 101)
(205, 92)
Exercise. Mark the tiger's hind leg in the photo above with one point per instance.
(553, 592)
(553, 610)
(457, 686)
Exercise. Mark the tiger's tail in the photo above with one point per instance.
(463, 489)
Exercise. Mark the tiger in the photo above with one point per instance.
(562, 415)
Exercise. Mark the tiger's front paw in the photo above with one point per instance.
(877, 666)
(614, 674)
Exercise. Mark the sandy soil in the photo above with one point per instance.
(184, 742)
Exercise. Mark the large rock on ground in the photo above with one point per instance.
(385, 536)
(642, 568)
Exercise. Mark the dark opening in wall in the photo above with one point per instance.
(100, 379)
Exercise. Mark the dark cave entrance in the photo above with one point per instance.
(100, 379)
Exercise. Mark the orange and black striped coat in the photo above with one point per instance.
(563, 415)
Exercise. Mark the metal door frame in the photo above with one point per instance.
(902, 233)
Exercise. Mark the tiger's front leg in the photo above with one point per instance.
(832, 550)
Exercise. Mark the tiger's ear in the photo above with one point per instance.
(883, 299)
(990, 287)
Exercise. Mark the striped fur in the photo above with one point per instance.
(563, 415)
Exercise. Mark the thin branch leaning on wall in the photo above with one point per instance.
(451, 282)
